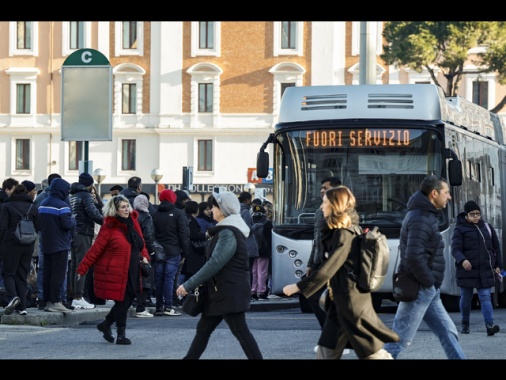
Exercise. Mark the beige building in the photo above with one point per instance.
(184, 94)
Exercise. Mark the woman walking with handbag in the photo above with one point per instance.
(351, 320)
(116, 255)
(226, 276)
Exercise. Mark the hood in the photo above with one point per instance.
(59, 188)
(419, 201)
(181, 196)
(236, 220)
(141, 203)
(76, 187)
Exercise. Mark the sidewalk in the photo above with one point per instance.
(36, 317)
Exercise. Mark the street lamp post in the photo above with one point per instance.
(99, 176)
(156, 175)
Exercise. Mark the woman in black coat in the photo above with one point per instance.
(475, 247)
(351, 320)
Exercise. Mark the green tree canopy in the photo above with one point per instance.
(443, 46)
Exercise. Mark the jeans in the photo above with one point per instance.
(237, 324)
(428, 308)
(165, 273)
(40, 276)
(485, 297)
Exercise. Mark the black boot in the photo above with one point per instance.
(122, 339)
(105, 328)
(491, 329)
(464, 329)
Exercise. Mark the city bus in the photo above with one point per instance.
(381, 141)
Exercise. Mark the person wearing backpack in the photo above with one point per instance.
(262, 230)
(17, 258)
(351, 319)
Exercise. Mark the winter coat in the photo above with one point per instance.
(473, 242)
(130, 194)
(251, 243)
(171, 229)
(196, 255)
(316, 257)
(85, 210)
(205, 222)
(110, 253)
(226, 271)
(148, 230)
(55, 219)
(420, 240)
(9, 219)
(351, 316)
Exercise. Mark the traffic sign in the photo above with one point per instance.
(86, 111)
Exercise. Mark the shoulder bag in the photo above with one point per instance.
(193, 303)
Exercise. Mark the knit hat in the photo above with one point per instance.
(86, 179)
(168, 195)
(471, 206)
(29, 185)
(116, 187)
(227, 202)
(258, 209)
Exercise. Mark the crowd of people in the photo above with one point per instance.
(88, 251)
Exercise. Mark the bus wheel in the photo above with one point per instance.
(451, 303)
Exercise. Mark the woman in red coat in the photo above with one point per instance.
(116, 254)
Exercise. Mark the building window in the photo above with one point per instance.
(284, 86)
(23, 35)
(288, 38)
(76, 40)
(22, 154)
(205, 97)
(129, 34)
(205, 155)
(129, 37)
(128, 155)
(23, 38)
(205, 38)
(480, 93)
(206, 34)
(76, 153)
(23, 98)
(129, 98)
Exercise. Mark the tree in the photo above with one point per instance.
(444, 46)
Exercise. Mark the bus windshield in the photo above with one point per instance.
(383, 167)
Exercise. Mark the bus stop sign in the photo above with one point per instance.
(86, 109)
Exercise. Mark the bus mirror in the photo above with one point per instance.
(262, 164)
(455, 172)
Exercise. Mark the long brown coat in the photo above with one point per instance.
(351, 319)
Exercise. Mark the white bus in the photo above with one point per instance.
(381, 141)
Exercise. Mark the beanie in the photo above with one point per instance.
(471, 206)
(258, 209)
(29, 185)
(85, 179)
(168, 195)
(227, 202)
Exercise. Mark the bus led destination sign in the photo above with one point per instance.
(329, 138)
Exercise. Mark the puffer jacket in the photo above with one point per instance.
(171, 229)
(9, 218)
(55, 219)
(473, 242)
(110, 253)
(84, 210)
(420, 240)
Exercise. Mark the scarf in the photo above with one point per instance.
(132, 235)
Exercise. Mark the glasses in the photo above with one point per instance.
(474, 214)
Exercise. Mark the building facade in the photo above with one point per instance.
(199, 94)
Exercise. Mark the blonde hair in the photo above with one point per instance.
(111, 207)
(342, 203)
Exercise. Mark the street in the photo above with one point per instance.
(285, 334)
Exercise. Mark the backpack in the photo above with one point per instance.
(25, 230)
(374, 260)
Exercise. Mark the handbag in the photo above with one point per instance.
(405, 287)
(193, 303)
(159, 253)
(145, 268)
(325, 299)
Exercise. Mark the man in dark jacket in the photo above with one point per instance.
(56, 228)
(85, 210)
(134, 188)
(8, 186)
(172, 232)
(420, 242)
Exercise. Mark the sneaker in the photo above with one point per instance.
(159, 313)
(57, 308)
(82, 304)
(12, 305)
(254, 297)
(144, 314)
(262, 297)
(464, 328)
(21, 312)
(68, 305)
(171, 312)
(491, 329)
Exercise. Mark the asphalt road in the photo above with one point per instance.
(282, 335)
